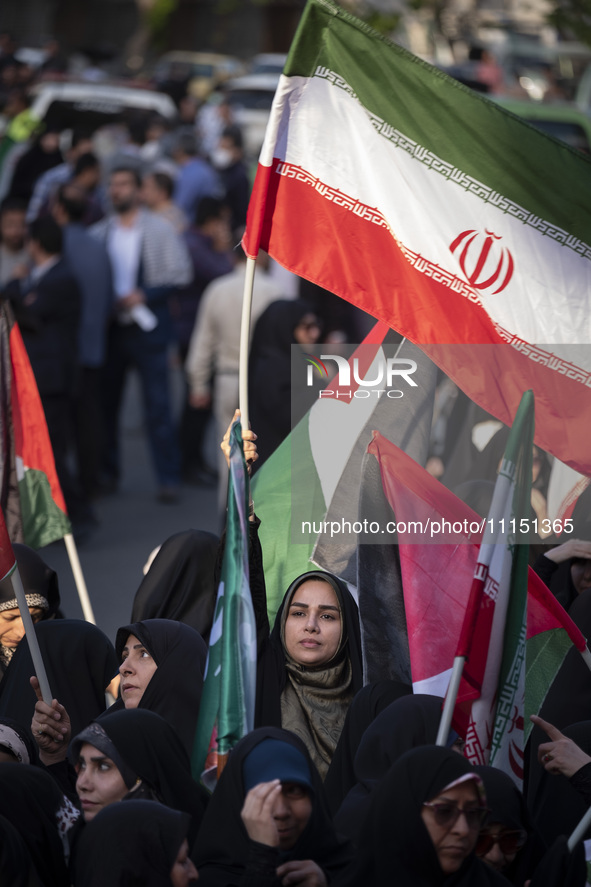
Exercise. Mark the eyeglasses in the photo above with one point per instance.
(447, 814)
(509, 842)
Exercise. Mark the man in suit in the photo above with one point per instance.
(47, 304)
(148, 261)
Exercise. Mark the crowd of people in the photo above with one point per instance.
(118, 261)
(338, 783)
(109, 239)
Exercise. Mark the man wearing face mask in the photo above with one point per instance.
(228, 159)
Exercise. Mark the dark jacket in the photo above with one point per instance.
(48, 314)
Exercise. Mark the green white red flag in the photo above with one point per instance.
(227, 705)
(439, 544)
(31, 496)
(432, 208)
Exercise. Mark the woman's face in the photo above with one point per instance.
(313, 623)
(136, 670)
(498, 857)
(291, 812)
(99, 782)
(453, 842)
(183, 872)
(307, 332)
(12, 630)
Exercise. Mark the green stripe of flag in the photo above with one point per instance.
(429, 108)
(544, 655)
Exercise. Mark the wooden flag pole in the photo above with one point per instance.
(245, 340)
(79, 578)
(19, 593)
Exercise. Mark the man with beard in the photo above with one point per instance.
(148, 260)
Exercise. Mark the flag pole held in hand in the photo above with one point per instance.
(19, 593)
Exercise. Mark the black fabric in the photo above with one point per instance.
(80, 662)
(367, 704)
(395, 846)
(406, 723)
(558, 579)
(180, 583)
(271, 671)
(561, 868)
(223, 845)
(568, 700)
(150, 748)
(131, 844)
(30, 800)
(272, 407)
(174, 692)
(15, 865)
(558, 807)
(507, 807)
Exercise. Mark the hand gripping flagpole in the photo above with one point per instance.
(38, 666)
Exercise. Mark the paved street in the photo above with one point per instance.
(132, 523)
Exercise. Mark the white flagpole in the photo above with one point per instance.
(79, 578)
(19, 593)
(450, 700)
(245, 340)
(580, 830)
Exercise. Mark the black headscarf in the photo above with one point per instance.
(507, 807)
(367, 704)
(41, 589)
(174, 691)
(31, 801)
(223, 844)
(15, 863)
(180, 583)
(272, 676)
(80, 662)
(407, 723)
(395, 846)
(150, 748)
(132, 843)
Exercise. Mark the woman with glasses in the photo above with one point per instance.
(423, 825)
(508, 841)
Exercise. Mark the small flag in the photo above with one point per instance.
(228, 700)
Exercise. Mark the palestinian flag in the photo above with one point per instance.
(307, 493)
(227, 704)
(439, 540)
(427, 205)
(31, 496)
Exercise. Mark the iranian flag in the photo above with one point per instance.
(400, 190)
(440, 550)
(227, 705)
(30, 493)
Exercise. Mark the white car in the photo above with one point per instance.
(251, 98)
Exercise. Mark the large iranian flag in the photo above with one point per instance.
(402, 191)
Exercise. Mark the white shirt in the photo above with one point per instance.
(124, 245)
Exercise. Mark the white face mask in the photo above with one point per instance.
(221, 158)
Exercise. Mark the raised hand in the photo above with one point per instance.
(51, 728)
(561, 754)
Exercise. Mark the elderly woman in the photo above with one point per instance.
(423, 825)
